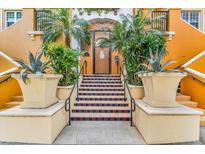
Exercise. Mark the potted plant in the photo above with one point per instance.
(132, 37)
(64, 61)
(159, 83)
(38, 88)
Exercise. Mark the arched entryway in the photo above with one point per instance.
(100, 59)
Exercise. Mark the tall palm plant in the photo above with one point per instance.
(57, 21)
(133, 37)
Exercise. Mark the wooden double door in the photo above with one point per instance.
(101, 55)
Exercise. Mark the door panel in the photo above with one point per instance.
(102, 60)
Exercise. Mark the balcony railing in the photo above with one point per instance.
(41, 17)
(160, 20)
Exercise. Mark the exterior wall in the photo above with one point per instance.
(185, 44)
(15, 41)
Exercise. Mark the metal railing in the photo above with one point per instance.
(161, 20)
(42, 17)
(132, 100)
(83, 70)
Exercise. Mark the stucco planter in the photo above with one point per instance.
(39, 91)
(136, 91)
(63, 92)
(161, 88)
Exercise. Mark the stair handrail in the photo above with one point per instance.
(83, 70)
(132, 101)
(9, 71)
(191, 72)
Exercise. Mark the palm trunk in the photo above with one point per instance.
(67, 40)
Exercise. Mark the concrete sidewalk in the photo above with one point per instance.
(105, 133)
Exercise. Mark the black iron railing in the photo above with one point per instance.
(42, 18)
(83, 70)
(132, 100)
(161, 20)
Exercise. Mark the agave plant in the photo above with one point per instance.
(155, 63)
(36, 66)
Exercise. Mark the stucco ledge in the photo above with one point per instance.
(32, 34)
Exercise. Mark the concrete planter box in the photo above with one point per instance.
(136, 91)
(39, 91)
(161, 88)
(63, 92)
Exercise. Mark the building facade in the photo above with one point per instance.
(183, 28)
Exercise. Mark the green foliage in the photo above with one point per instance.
(98, 10)
(35, 66)
(63, 61)
(155, 62)
(132, 37)
(57, 21)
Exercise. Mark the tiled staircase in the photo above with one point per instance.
(101, 98)
(186, 100)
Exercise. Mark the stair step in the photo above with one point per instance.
(12, 104)
(101, 94)
(181, 97)
(188, 104)
(105, 75)
(119, 104)
(99, 111)
(102, 82)
(101, 85)
(101, 107)
(202, 121)
(101, 89)
(101, 79)
(100, 99)
(100, 116)
(17, 98)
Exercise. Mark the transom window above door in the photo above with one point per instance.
(12, 17)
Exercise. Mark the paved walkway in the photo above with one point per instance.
(100, 133)
(105, 133)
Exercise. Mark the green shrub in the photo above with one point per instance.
(63, 61)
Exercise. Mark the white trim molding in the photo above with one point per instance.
(193, 59)
(9, 59)
(194, 72)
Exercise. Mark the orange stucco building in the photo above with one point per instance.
(185, 39)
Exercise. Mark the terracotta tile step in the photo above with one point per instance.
(102, 82)
(101, 89)
(101, 94)
(17, 98)
(12, 104)
(95, 75)
(181, 97)
(188, 104)
(101, 85)
(100, 99)
(100, 111)
(101, 78)
(100, 108)
(100, 118)
(102, 104)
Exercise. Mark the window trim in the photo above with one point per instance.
(15, 17)
(200, 18)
